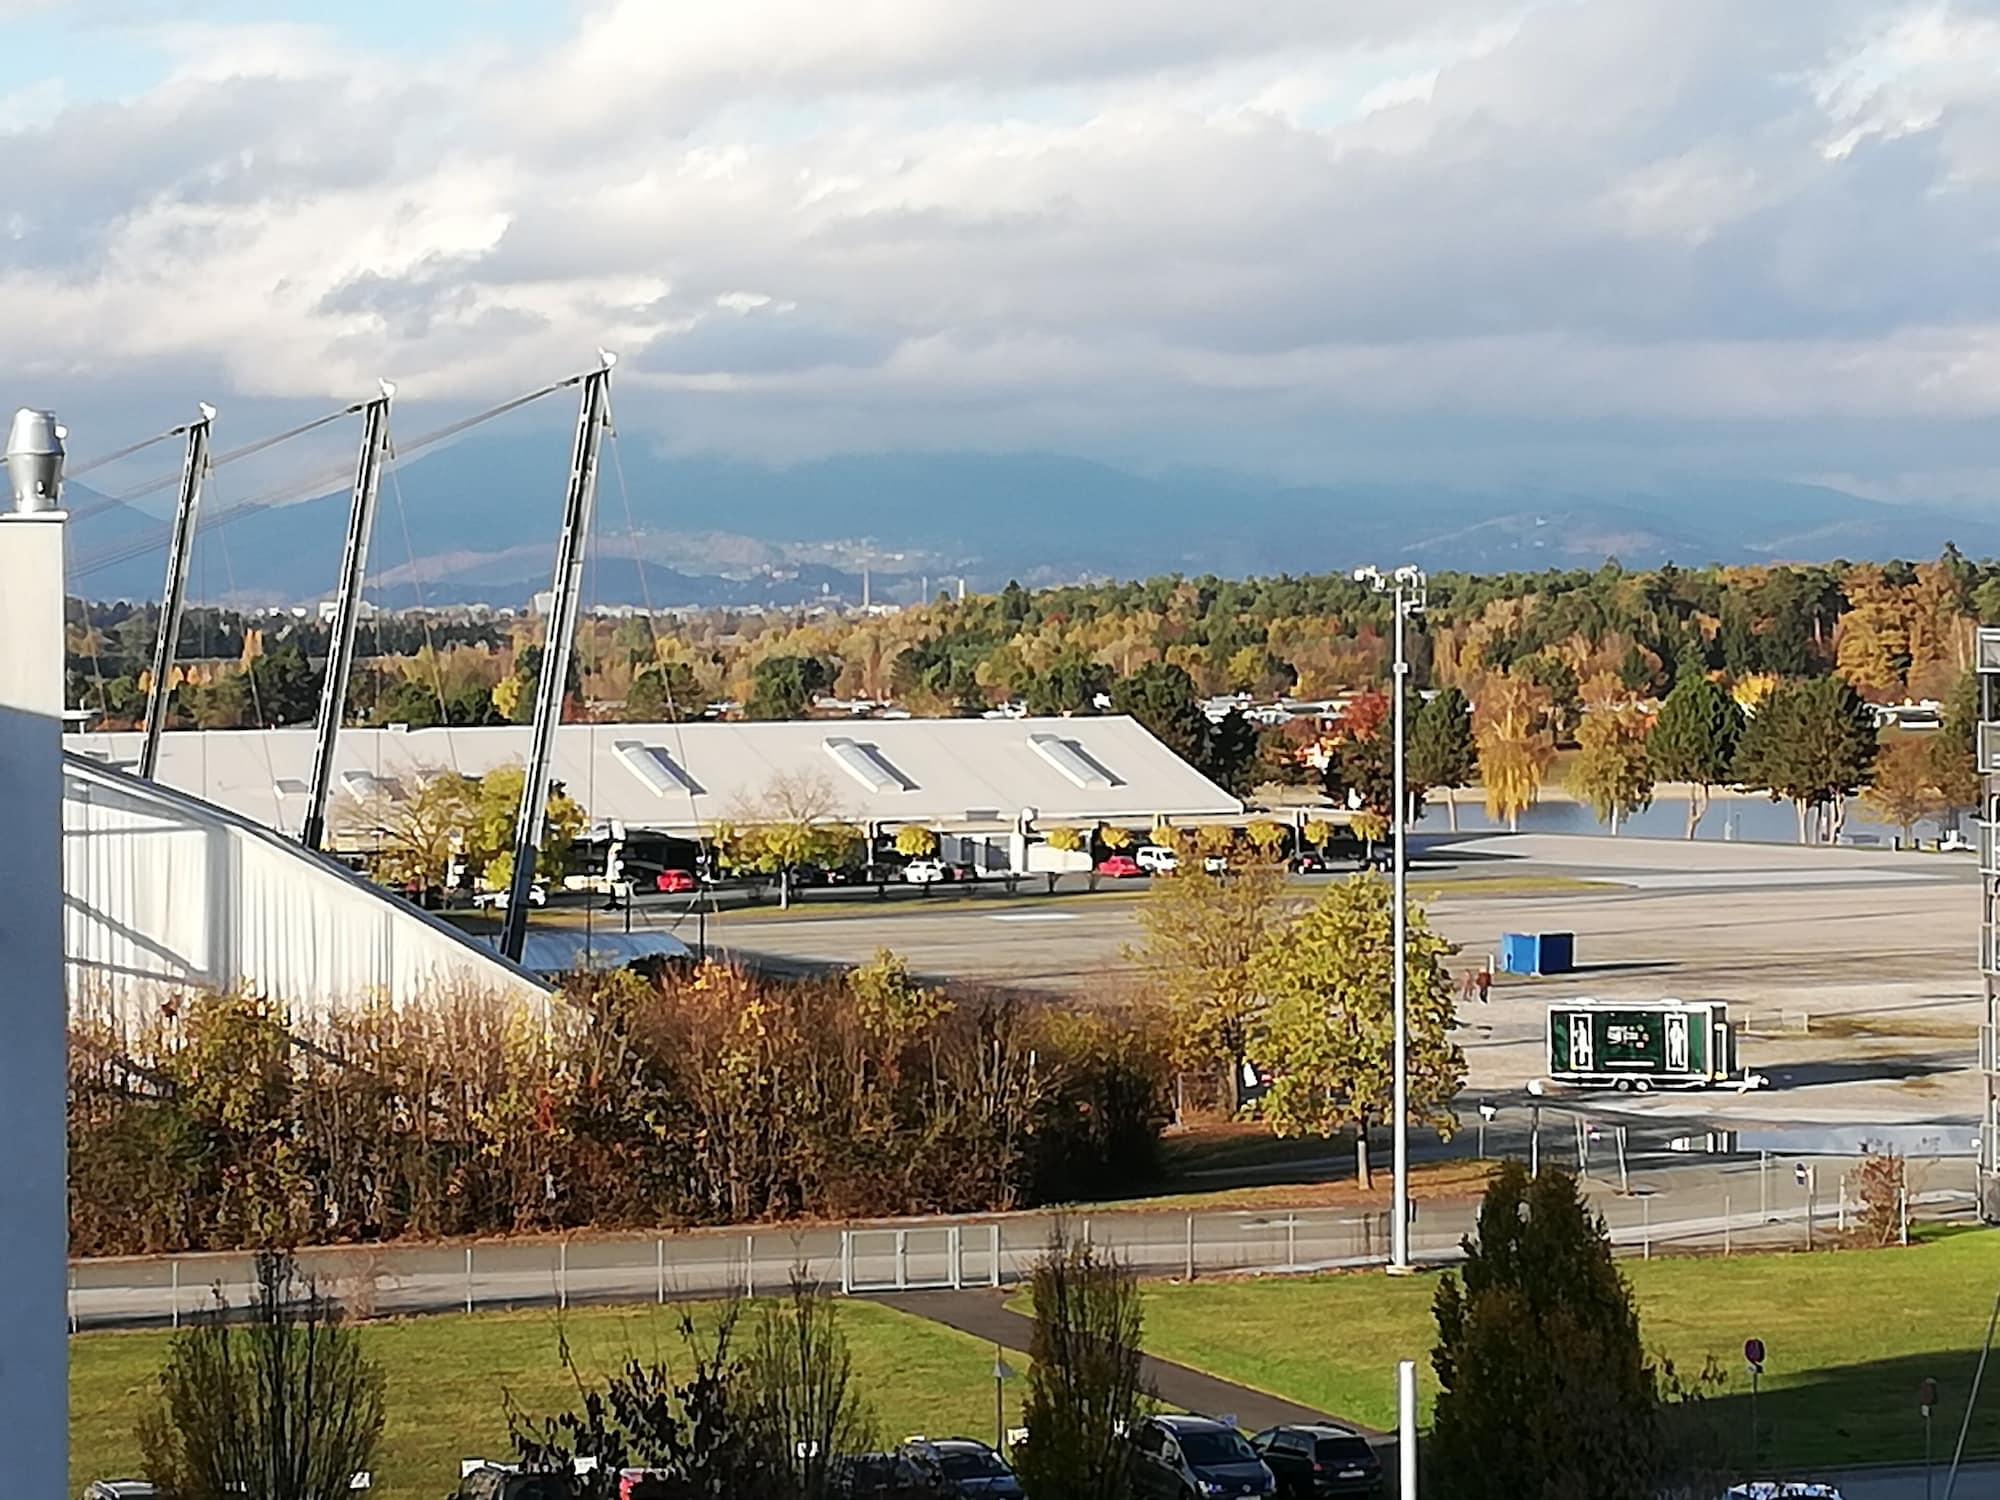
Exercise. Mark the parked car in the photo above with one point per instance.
(486, 1481)
(646, 1484)
(924, 872)
(962, 1466)
(675, 882)
(1156, 859)
(1320, 1458)
(1310, 862)
(1119, 867)
(121, 1489)
(879, 1476)
(1215, 864)
(1195, 1458)
(538, 895)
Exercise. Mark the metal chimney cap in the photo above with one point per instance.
(34, 460)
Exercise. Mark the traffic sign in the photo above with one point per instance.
(1753, 1355)
(1926, 1396)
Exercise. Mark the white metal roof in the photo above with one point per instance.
(947, 773)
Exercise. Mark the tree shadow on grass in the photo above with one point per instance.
(1811, 1423)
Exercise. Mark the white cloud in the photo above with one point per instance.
(1154, 224)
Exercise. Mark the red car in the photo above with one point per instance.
(1119, 867)
(675, 881)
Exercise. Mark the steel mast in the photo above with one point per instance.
(593, 414)
(347, 608)
(194, 473)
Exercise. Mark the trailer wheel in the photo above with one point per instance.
(1623, 1086)
(1645, 1086)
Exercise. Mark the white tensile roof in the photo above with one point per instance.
(945, 773)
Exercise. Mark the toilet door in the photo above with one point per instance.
(1581, 1053)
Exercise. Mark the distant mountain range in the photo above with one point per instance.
(482, 520)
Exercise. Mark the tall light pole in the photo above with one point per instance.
(1406, 586)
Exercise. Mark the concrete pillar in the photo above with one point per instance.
(34, 1231)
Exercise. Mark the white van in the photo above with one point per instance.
(1156, 860)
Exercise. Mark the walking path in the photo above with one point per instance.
(985, 1315)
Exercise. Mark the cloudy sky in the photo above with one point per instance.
(1314, 238)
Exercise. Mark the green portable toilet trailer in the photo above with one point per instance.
(1641, 1044)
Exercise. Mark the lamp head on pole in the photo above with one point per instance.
(35, 460)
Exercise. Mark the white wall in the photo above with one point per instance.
(34, 1224)
(167, 894)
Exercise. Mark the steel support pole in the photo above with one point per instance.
(1399, 1252)
(593, 412)
(347, 609)
(173, 598)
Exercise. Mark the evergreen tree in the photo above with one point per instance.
(1813, 743)
(1695, 740)
(782, 687)
(1161, 697)
(1229, 753)
(1544, 1389)
(1442, 751)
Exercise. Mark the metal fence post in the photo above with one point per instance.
(468, 1278)
(1645, 1224)
(174, 1317)
(847, 1262)
(749, 1265)
(996, 1253)
(1726, 1222)
(902, 1260)
(1190, 1248)
(660, 1271)
(957, 1245)
(562, 1274)
(1291, 1242)
(72, 1299)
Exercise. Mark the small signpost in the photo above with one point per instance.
(1002, 1373)
(1926, 1400)
(1753, 1357)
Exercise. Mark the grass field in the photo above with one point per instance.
(449, 1380)
(1849, 1336)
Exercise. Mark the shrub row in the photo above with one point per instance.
(713, 1096)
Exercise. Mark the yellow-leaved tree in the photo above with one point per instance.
(1516, 743)
(1326, 1031)
(1201, 932)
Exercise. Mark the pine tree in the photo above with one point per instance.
(1813, 743)
(1442, 751)
(1544, 1389)
(1695, 740)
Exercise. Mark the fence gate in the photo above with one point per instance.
(902, 1260)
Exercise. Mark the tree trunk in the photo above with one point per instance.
(1361, 1171)
(1513, 821)
(1614, 820)
(1836, 819)
(1451, 805)
(1233, 1087)
(784, 890)
(1697, 805)
(1800, 806)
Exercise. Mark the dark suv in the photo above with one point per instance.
(1311, 1460)
(1194, 1458)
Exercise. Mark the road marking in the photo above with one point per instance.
(1034, 916)
(1713, 879)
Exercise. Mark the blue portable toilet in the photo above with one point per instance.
(1537, 952)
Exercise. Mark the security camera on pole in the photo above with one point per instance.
(1407, 585)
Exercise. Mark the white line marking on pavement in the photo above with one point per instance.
(1710, 880)
(1034, 916)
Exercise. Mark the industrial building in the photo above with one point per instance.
(987, 785)
(164, 894)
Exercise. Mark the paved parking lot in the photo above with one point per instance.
(1856, 969)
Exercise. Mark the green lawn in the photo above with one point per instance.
(449, 1377)
(1849, 1335)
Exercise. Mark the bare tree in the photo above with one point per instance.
(281, 1403)
(1084, 1389)
(797, 819)
(801, 1381)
